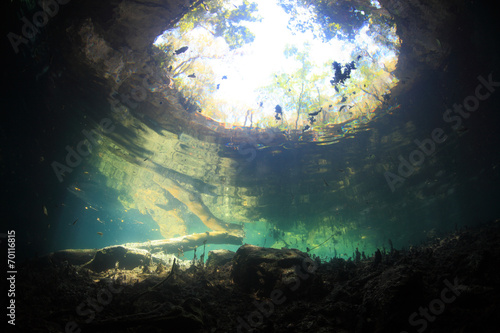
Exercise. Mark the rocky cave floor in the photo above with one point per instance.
(448, 285)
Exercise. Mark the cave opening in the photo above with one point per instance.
(310, 74)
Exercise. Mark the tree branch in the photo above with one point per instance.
(299, 102)
(178, 70)
(371, 94)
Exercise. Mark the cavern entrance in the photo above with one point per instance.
(292, 65)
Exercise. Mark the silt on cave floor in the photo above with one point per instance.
(447, 285)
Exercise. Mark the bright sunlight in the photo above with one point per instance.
(265, 63)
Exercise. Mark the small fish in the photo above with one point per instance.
(325, 182)
(146, 159)
(224, 77)
(218, 85)
(312, 114)
(279, 111)
(343, 99)
(100, 233)
(306, 128)
(74, 222)
(336, 89)
(45, 211)
(341, 108)
(181, 50)
(192, 75)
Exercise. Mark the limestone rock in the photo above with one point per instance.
(265, 270)
(118, 257)
(219, 258)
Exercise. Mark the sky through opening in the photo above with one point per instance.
(243, 85)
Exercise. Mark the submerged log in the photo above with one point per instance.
(132, 255)
(188, 242)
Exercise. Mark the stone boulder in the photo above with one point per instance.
(217, 258)
(264, 270)
(119, 257)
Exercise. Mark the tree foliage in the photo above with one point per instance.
(300, 91)
(303, 91)
(308, 90)
(222, 19)
(341, 19)
(207, 32)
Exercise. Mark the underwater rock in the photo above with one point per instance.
(118, 257)
(267, 270)
(219, 258)
(72, 256)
